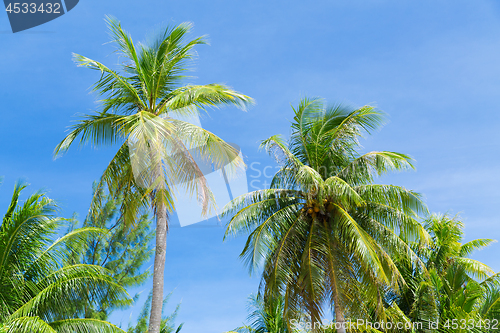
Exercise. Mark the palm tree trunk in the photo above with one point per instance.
(339, 315)
(159, 269)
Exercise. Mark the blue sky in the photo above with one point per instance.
(432, 66)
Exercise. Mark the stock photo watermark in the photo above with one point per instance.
(260, 175)
(24, 15)
(363, 325)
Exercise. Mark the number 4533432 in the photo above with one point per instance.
(32, 8)
(471, 324)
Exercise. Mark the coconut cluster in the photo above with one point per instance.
(315, 207)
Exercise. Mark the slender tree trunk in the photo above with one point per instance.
(159, 269)
(339, 315)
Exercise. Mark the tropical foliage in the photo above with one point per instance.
(36, 290)
(265, 317)
(123, 251)
(324, 232)
(167, 321)
(328, 241)
(141, 103)
(454, 292)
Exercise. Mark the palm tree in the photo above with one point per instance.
(324, 231)
(38, 293)
(265, 317)
(446, 248)
(158, 151)
(454, 289)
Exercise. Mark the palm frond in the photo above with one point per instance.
(87, 325)
(99, 129)
(475, 268)
(182, 100)
(473, 245)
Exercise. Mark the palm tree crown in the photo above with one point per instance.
(323, 231)
(139, 110)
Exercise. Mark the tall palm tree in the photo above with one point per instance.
(141, 106)
(37, 293)
(324, 231)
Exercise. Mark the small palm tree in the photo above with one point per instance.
(37, 293)
(323, 231)
(141, 107)
(455, 291)
(446, 248)
(265, 317)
